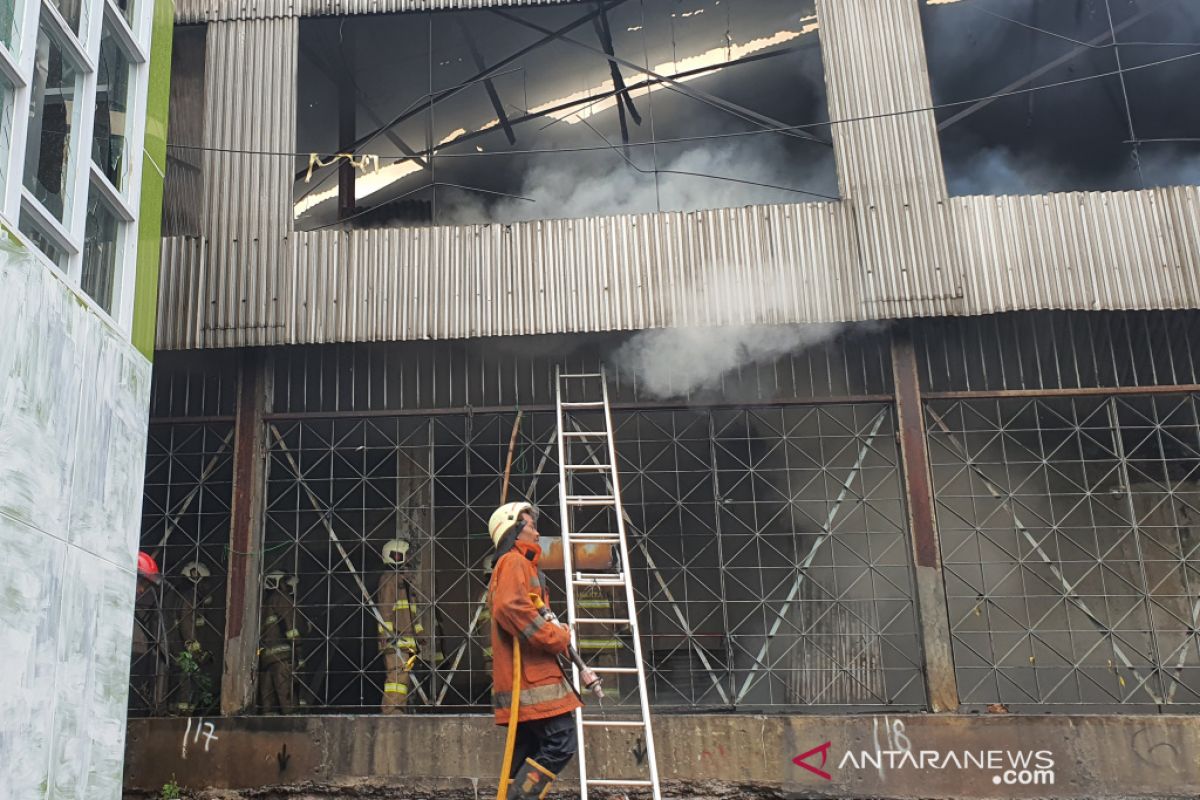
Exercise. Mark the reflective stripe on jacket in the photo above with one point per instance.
(544, 691)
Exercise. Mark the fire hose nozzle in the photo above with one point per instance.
(592, 682)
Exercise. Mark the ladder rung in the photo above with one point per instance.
(590, 500)
(615, 670)
(602, 621)
(616, 782)
(579, 374)
(613, 723)
(588, 467)
(584, 404)
(584, 434)
(600, 576)
(599, 582)
(594, 538)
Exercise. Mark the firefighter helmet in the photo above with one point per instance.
(395, 552)
(504, 517)
(272, 580)
(147, 567)
(195, 571)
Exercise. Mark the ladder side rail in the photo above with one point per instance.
(635, 628)
(568, 587)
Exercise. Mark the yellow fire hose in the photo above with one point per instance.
(514, 710)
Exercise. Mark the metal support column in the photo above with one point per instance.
(245, 537)
(941, 688)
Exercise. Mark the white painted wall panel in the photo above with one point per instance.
(74, 396)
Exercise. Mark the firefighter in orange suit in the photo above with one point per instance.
(399, 629)
(545, 736)
(279, 637)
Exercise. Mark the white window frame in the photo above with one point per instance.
(82, 49)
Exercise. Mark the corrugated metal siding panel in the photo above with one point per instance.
(250, 99)
(1082, 250)
(187, 11)
(580, 275)
(180, 293)
(889, 167)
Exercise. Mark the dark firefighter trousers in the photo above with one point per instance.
(550, 742)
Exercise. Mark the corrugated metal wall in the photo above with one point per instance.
(1081, 250)
(250, 104)
(214, 10)
(895, 247)
(889, 167)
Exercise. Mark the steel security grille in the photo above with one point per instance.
(768, 549)
(1070, 534)
(185, 521)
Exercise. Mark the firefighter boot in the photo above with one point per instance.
(532, 782)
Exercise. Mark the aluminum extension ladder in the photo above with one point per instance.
(590, 482)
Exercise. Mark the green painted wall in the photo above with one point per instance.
(154, 163)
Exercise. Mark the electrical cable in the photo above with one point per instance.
(737, 134)
(1137, 161)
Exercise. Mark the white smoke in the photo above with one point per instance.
(602, 182)
(680, 361)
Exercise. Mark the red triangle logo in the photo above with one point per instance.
(802, 760)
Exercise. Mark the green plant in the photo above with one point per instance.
(189, 665)
(170, 790)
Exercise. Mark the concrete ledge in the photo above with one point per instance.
(902, 756)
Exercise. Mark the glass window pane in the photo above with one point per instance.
(42, 240)
(52, 111)
(109, 144)
(100, 251)
(8, 22)
(127, 9)
(6, 101)
(72, 12)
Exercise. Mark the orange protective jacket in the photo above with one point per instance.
(544, 690)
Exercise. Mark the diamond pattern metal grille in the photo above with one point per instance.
(1071, 535)
(768, 551)
(185, 520)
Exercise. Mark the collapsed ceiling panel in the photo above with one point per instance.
(499, 115)
(1076, 111)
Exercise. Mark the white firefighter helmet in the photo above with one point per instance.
(395, 552)
(195, 571)
(272, 580)
(504, 517)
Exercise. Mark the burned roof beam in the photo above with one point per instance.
(392, 136)
(728, 106)
(466, 137)
(488, 85)
(624, 99)
(446, 94)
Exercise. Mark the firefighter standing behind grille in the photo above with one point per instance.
(545, 735)
(278, 645)
(399, 631)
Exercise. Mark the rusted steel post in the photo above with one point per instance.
(941, 688)
(242, 602)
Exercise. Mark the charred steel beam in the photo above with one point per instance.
(446, 94)
(624, 99)
(690, 91)
(347, 111)
(242, 602)
(334, 76)
(488, 85)
(941, 687)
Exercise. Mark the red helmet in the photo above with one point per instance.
(148, 568)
